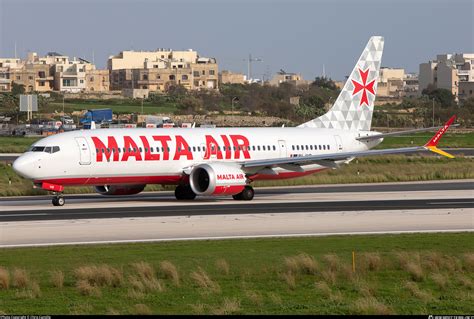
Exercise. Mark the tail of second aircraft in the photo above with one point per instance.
(355, 104)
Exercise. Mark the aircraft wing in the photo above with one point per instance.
(326, 159)
(381, 135)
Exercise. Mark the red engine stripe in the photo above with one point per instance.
(170, 179)
(228, 190)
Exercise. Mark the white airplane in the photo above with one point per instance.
(217, 161)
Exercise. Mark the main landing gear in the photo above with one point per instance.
(184, 192)
(58, 199)
(246, 194)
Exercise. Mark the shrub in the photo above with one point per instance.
(169, 271)
(57, 278)
(86, 289)
(223, 266)
(202, 279)
(371, 306)
(416, 292)
(4, 278)
(141, 309)
(20, 278)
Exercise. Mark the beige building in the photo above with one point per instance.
(161, 69)
(466, 90)
(390, 82)
(284, 77)
(97, 80)
(52, 72)
(447, 72)
(228, 77)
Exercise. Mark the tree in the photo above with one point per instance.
(18, 89)
(442, 96)
(324, 82)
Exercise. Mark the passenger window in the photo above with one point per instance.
(274, 148)
(328, 146)
(253, 148)
(97, 150)
(118, 149)
(319, 147)
(199, 148)
(146, 149)
(292, 147)
(297, 147)
(263, 147)
(311, 147)
(108, 150)
(307, 147)
(324, 147)
(258, 147)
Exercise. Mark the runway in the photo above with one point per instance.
(298, 211)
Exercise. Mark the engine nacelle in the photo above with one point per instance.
(217, 179)
(113, 190)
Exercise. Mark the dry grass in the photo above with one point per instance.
(202, 280)
(86, 289)
(301, 264)
(289, 279)
(469, 261)
(141, 309)
(169, 271)
(112, 312)
(432, 261)
(144, 270)
(466, 282)
(440, 280)
(4, 278)
(451, 264)
(20, 278)
(329, 276)
(142, 285)
(416, 292)
(334, 296)
(332, 261)
(363, 288)
(371, 306)
(31, 292)
(275, 298)
(223, 266)
(371, 261)
(254, 297)
(57, 278)
(229, 306)
(102, 275)
(81, 309)
(198, 309)
(415, 271)
(135, 294)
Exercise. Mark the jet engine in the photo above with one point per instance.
(217, 179)
(119, 189)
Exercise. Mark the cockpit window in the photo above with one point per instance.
(46, 149)
(37, 149)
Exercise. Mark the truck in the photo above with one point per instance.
(99, 116)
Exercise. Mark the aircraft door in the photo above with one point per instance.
(283, 149)
(84, 151)
(339, 146)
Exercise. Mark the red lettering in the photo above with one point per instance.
(182, 149)
(148, 155)
(164, 143)
(241, 143)
(111, 148)
(228, 154)
(212, 148)
(131, 149)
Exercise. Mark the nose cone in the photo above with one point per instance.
(26, 166)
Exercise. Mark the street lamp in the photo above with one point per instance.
(232, 106)
(433, 113)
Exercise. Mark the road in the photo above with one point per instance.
(275, 212)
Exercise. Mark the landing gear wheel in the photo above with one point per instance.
(247, 194)
(184, 192)
(58, 200)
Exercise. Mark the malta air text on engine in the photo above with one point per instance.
(169, 147)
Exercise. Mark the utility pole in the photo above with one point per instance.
(433, 113)
(249, 65)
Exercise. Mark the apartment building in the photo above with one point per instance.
(285, 77)
(228, 77)
(53, 72)
(391, 82)
(159, 70)
(449, 71)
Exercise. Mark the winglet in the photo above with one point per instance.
(433, 143)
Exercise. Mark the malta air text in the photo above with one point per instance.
(169, 147)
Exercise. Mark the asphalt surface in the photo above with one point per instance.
(321, 189)
(250, 208)
(467, 152)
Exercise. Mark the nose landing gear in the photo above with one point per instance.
(58, 199)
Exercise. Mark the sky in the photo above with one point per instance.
(293, 35)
